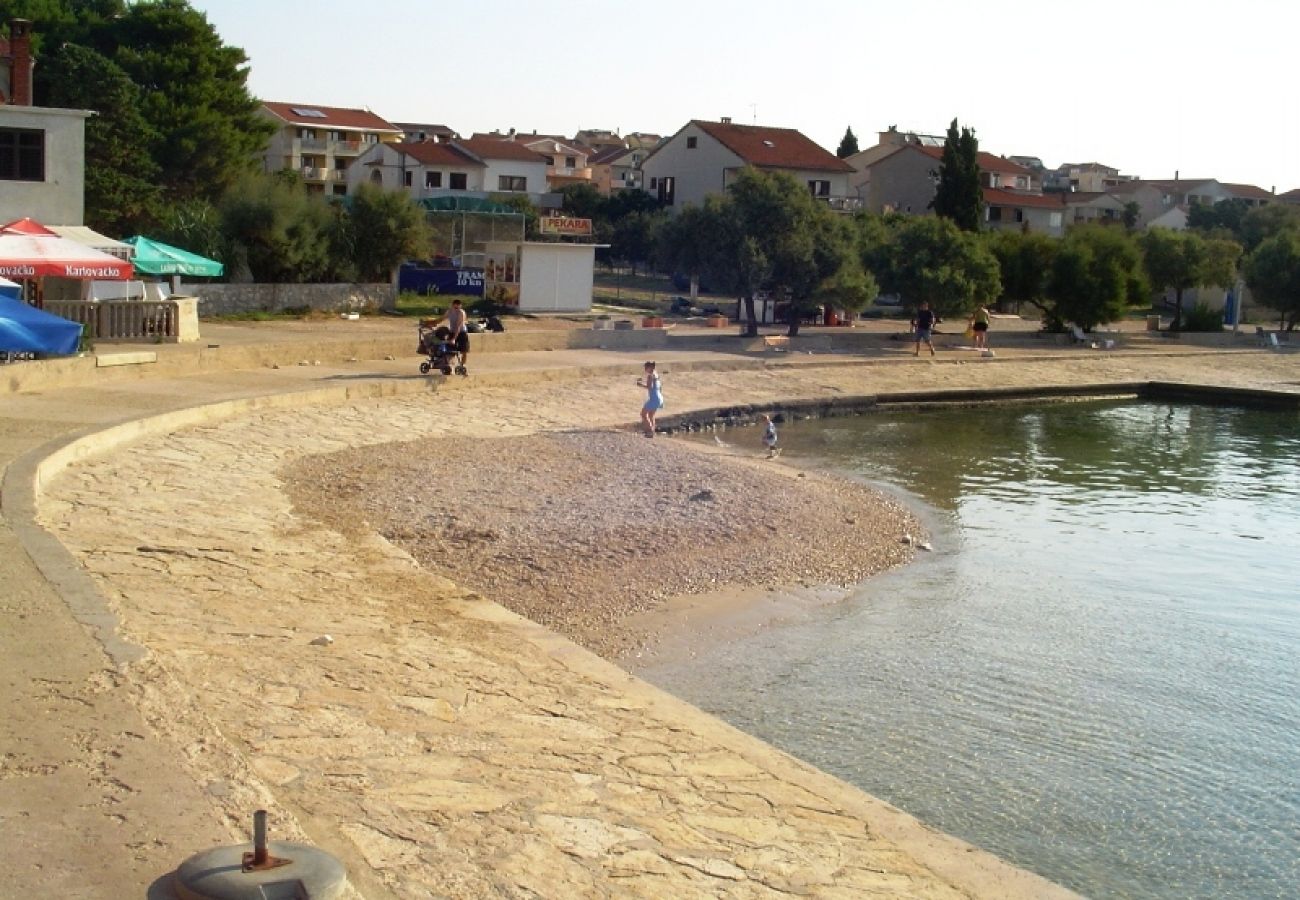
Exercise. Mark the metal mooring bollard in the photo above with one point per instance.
(280, 870)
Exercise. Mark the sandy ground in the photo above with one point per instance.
(581, 531)
(440, 745)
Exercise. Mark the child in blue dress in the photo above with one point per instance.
(654, 398)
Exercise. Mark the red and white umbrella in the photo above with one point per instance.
(30, 250)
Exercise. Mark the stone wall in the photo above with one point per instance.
(231, 299)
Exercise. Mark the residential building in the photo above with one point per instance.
(1022, 210)
(886, 143)
(566, 161)
(1166, 202)
(1291, 197)
(322, 142)
(705, 157)
(42, 149)
(1088, 178)
(1086, 207)
(904, 179)
(641, 140)
(414, 132)
(478, 168)
(1249, 194)
(616, 169)
(598, 140)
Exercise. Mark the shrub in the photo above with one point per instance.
(1202, 318)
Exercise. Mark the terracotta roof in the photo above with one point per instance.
(499, 148)
(1180, 184)
(432, 153)
(330, 117)
(1248, 191)
(773, 148)
(1291, 196)
(996, 197)
(609, 155)
(987, 161)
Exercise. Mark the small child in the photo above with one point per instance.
(769, 436)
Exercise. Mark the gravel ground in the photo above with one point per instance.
(579, 530)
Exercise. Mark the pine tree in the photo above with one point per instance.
(848, 144)
(959, 195)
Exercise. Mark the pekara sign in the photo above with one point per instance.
(565, 225)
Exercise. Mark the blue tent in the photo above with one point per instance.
(26, 329)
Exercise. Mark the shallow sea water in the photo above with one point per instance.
(1096, 673)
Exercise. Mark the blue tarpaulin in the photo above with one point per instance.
(26, 329)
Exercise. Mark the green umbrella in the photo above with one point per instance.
(154, 258)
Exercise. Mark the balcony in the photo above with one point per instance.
(348, 148)
(312, 173)
(842, 204)
(309, 145)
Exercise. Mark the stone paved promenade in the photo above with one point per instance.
(440, 746)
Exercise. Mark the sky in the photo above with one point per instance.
(1151, 87)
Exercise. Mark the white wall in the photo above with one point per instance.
(61, 198)
(556, 277)
(535, 172)
(699, 171)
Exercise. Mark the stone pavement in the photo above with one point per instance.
(441, 746)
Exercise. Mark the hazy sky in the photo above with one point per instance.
(1149, 86)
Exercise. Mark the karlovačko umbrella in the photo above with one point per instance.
(30, 250)
(156, 258)
(26, 329)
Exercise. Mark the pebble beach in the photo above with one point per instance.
(587, 531)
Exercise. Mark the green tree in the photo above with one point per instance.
(1226, 216)
(1132, 212)
(1024, 260)
(1095, 277)
(277, 232)
(195, 225)
(1179, 260)
(848, 144)
(122, 195)
(633, 237)
(386, 228)
(1263, 222)
(194, 93)
(583, 201)
(1273, 273)
(959, 195)
(931, 260)
(682, 241)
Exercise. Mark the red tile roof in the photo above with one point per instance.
(1248, 191)
(432, 153)
(996, 197)
(987, 161)
(499, 148)
(330, 117)
(773, 148)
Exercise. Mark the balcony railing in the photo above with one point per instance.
(348, 148)
(316, 144)
(312, 173)
(843, 204)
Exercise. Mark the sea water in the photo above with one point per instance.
(1096, 673)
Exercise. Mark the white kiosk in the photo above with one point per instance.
(541, 276)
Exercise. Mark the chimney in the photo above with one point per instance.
(21, 63)
(726, 120)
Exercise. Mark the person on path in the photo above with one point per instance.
(457, 321)
(979, 323)
(923, 324)
(654, 400)
(769, 436)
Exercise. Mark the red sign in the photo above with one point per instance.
(564, 225)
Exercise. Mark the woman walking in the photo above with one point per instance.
(654, 400)
(979, 323)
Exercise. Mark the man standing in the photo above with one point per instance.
(456, 320)
(923, 324)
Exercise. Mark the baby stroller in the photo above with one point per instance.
(442, 353)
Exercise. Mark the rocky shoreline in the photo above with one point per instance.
(586, 531)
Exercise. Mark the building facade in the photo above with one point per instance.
(321, 143)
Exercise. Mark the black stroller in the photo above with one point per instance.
(435, 343)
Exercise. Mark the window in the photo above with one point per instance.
(667, 187)
(459, 180)
(433, 179)
(550, 160)
(993, 214)
(1019, 215)
(307, 134)
(407, 178)
(570, 161)
(22, 154)
(820, 188)
(512, 183)
(340, 190)
(654, 183)
(376, 177)
(691, 142)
